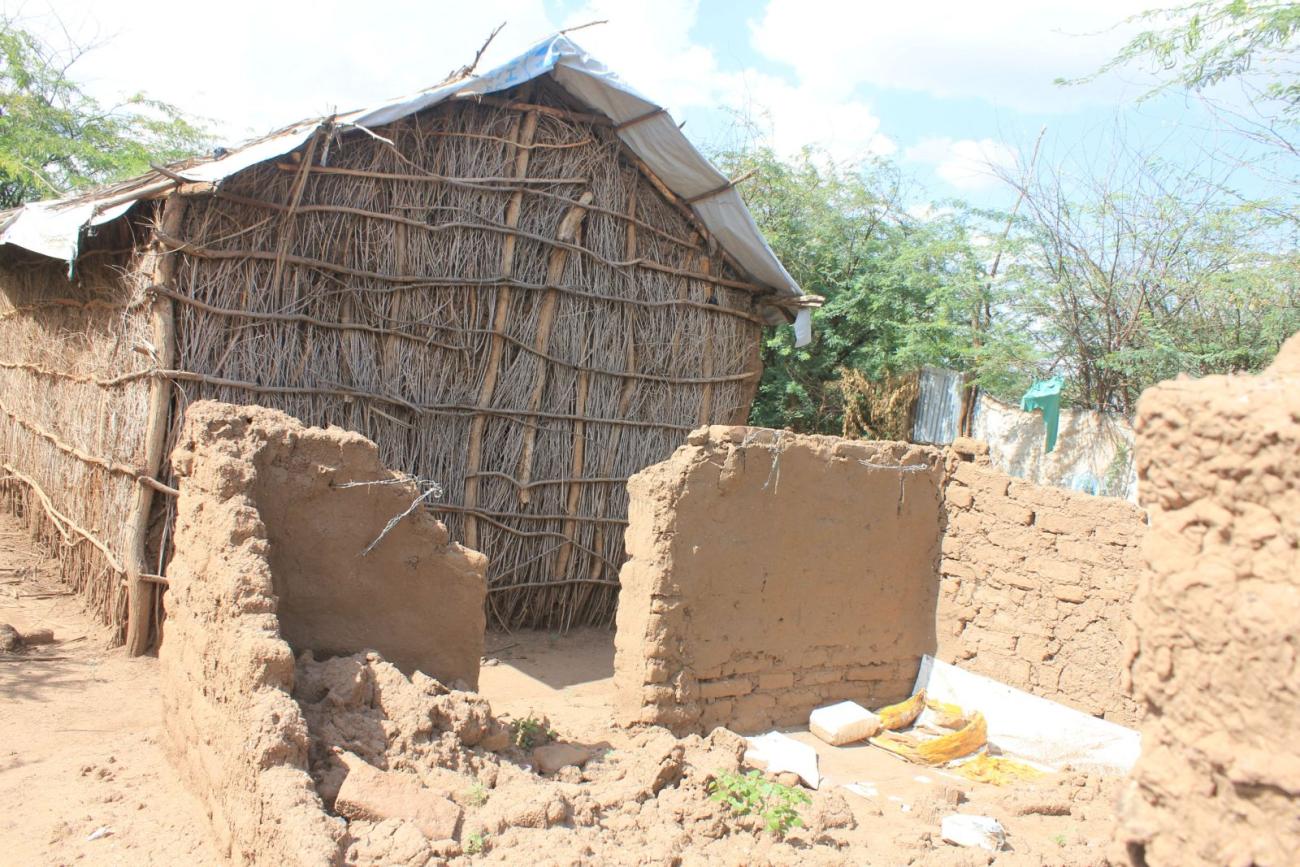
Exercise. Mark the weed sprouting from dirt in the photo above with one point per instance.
(751, 795)
(532, 732)
(476, 844)
(476, 795)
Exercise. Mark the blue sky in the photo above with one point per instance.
(943, 87)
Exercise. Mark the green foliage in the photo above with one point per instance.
(751, 795)
(476, 843)
(54, 138)
(532, 732)
(1136, 272)
(1117, 276)
(901, 291)
(476, 795)
(1209, 42)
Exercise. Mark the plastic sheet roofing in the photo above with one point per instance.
(54, 228)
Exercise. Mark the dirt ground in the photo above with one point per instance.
(79, 732)
(1061, 818)
(79, 750)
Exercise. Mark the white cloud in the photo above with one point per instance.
(649, 45)
(967, 164)
(792, 117)
(1007, 53)
(254, 66)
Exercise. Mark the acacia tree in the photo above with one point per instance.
(1238, 57)
(54, 138)
(1141, 270)
(1138, 270)
(1199, 45)
(899, 288)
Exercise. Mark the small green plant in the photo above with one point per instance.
(751, 795)
(475, 844)
(1060, 840)
(476, 795)
(531, 732)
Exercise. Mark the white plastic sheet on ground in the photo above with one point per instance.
(778, 753)
(1029, 727)
(54, 228)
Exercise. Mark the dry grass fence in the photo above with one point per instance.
(497, 293)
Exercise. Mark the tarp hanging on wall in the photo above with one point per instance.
(1045, 396)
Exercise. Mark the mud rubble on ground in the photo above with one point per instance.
(486, 793)
(426, 774)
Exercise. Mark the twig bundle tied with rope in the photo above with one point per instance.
(883, 408)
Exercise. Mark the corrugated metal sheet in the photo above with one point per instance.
(938, 409)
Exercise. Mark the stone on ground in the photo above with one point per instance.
(375, 795)
(553, 757)
(843, 723)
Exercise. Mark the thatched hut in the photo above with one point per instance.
(524, 286)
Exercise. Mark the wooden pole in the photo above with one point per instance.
(570, 229)
(629, 386)
(575, 490)
(526, 129)
(162, 319)
(706, 398)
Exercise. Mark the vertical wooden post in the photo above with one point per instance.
(162, 319)
(629, 386)
(749, 389)
(706, 367)
(569, 231)
(524, 141)
(575, 472)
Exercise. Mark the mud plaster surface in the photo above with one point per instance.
(1218, 622)
(324, 497)
(771, 573)
(99, 714)
(1037, 588)
(263, 526)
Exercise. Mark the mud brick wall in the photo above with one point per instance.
(268, 562)
(771, 573)
(1037, 585)
(1213, 657)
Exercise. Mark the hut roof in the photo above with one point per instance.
(54, 228)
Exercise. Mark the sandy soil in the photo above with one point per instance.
(79, 730)
(1059, 819)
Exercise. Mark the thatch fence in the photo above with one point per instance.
(496, 291)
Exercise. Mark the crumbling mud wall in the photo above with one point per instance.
(771, 573)
(1037, 585)
(324, 499)
(1218, 622)
(268, 555)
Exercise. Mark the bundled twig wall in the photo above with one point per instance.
(74, 381)
(499, 297)
(497, 293)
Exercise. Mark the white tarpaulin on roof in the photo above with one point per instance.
(54, 229)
